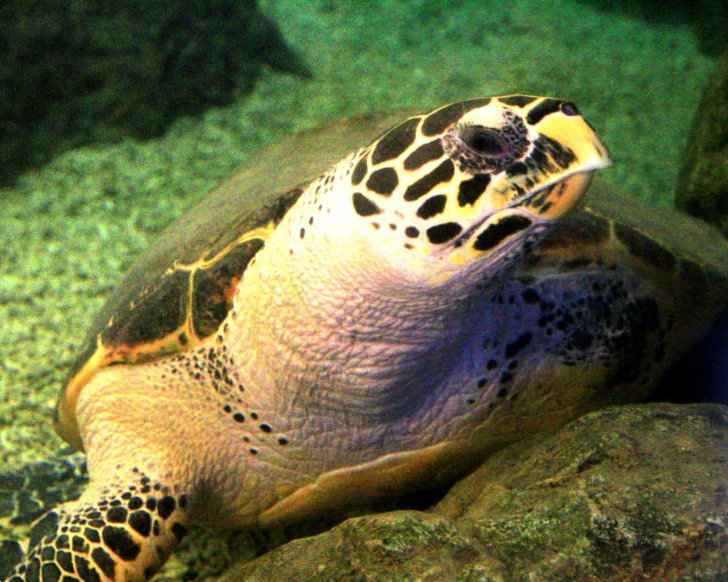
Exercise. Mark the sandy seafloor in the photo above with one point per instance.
(69, 230)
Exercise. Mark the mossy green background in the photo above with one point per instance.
(69, 230)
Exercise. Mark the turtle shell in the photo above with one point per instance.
(180, 290)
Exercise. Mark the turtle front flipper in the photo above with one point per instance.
(113, 532)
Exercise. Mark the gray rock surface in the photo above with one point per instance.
(83, 71)
(626, 493)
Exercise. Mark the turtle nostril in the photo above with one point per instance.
(568, 108)
(485, 142)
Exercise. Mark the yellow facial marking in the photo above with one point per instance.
(467, 178)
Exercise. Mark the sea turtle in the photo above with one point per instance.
(295, 345)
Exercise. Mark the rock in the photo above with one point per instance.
(85, 71)
(29, 491)
(626, 493)
(709, 18)
(702, 185)
(711, 25)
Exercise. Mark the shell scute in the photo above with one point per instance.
(213, 287)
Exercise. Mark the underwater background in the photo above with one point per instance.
(88, 179)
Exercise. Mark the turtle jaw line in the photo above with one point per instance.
(548, 186)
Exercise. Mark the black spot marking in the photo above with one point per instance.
(360, 170)
(282, 441)
(86, 573)
(179, 531)
(183, 501)
(239, 417)
(581, 339)
(423, 154)
(560, 154)
(546, 107)
(141, 522)
(65, 560)
(517, 100)
(516, 169)
(438, 121)
(496, 233)
(119, 541)
(79, 545)
(364, 206)
(412, 231)
(395, 141)
(47, 554)
(645, 248)
(443, 173)
(518, 344)
(47, 525)
(165, 507)
(265, 428)
(116, 515)
(471, 190)
(432, 206)
(105, 562)
(530, 295)
(383, 181)
(50, 572)
(151, 504)
(443, 232)
(33, 571)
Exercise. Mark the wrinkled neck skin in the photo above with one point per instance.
(327, 322)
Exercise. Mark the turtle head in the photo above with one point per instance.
(471, 183)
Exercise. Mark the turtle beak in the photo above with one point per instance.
(543, 185)
(557, 171)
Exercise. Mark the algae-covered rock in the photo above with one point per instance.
(709, 18)
(81, 70)
(702, 185)
(626, 493)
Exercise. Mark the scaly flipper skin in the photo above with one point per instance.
(120, 533)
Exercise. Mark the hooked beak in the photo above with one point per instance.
(558, 169)
(548, 181)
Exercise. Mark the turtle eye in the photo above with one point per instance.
(485, 142)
